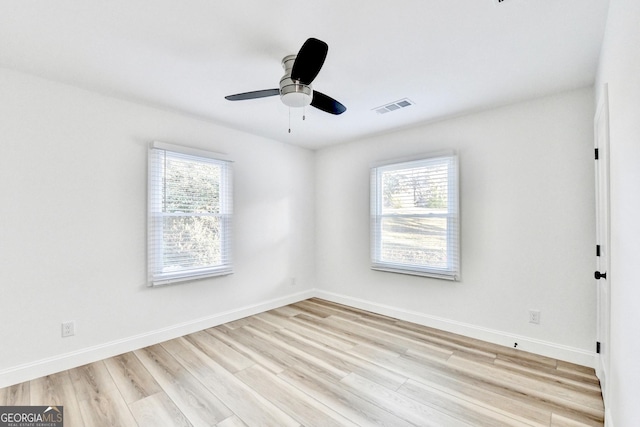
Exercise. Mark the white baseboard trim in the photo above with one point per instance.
(604, 382)
(608, 421)
(532, 345)
(51, 365)
(48, 366)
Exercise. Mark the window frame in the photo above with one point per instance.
(156, 214)
(452, 270)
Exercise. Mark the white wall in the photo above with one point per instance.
(73, 227)
(527, 209)
(620, 69)
(73, 220)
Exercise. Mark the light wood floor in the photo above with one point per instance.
(316, 363)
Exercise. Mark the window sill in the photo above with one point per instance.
(169, 280)
(410, 272)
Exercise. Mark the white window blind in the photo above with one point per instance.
(189, 214)
(414, 217)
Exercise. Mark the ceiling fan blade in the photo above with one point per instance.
(309, 61)
(327, 104)
(253, 95)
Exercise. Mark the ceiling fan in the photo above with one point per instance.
(295, 86)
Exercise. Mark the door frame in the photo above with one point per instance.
(603, 239)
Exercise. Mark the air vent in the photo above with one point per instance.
(397, 105)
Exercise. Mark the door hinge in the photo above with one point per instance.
(597, 250)
(596, 154)
(598, 347)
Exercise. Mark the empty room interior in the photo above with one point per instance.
(321, 213)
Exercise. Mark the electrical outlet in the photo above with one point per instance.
(534, 316)
(68, 328)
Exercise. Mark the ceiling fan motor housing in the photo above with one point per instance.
(293, 93)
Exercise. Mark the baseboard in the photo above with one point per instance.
(608, 421)
(544, 348)
(602, 376)
(39, 368)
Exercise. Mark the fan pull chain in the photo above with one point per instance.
(289, 119)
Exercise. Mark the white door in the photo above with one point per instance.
(602, 274)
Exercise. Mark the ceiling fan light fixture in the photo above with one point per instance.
(295, 94)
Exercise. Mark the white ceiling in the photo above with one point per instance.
(449, 57)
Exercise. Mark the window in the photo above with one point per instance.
(414, 217)
(189, 214)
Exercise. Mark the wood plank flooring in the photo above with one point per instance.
(317, 363)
